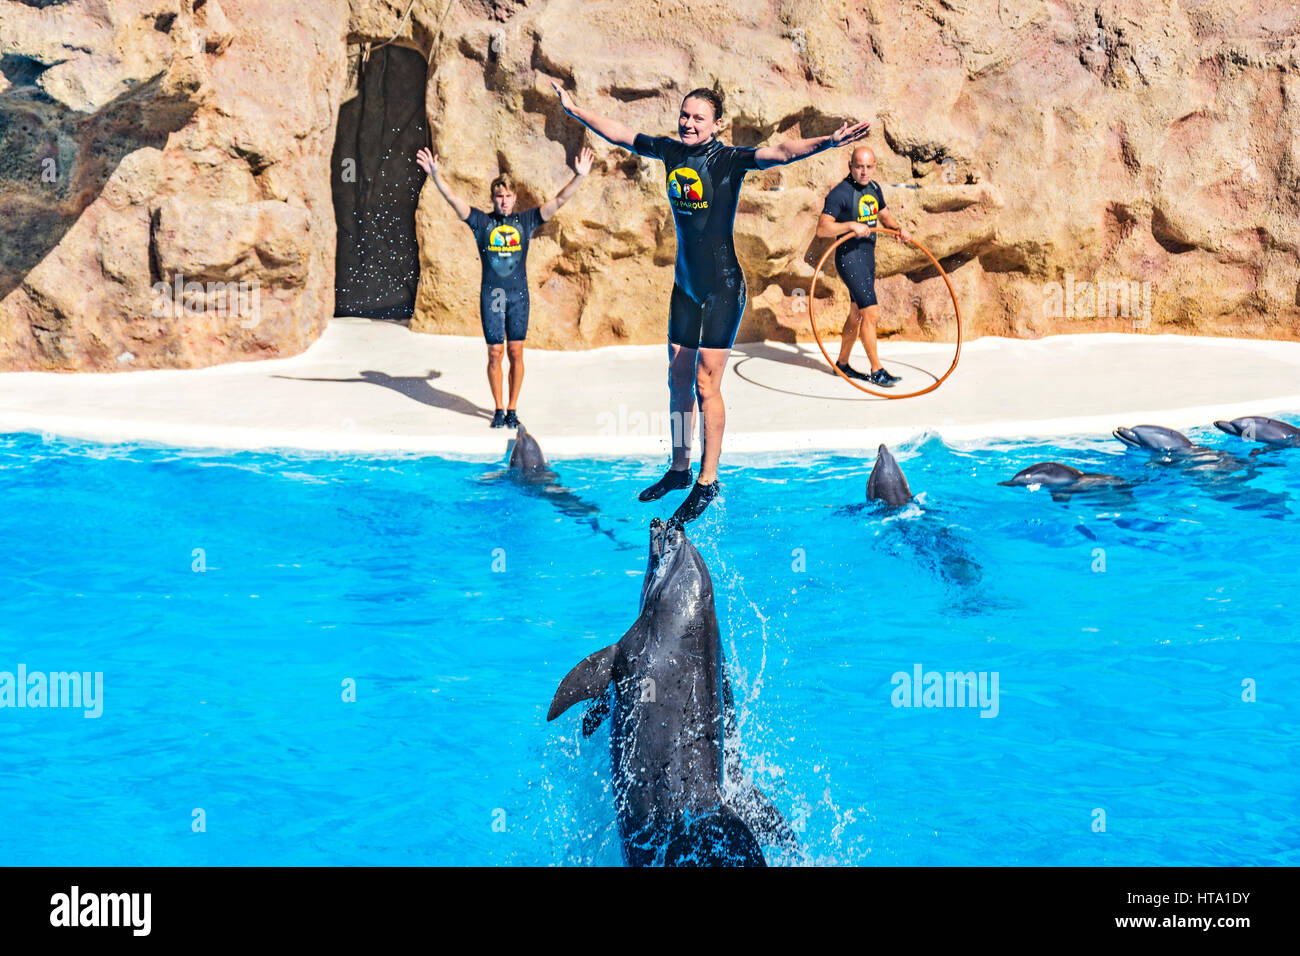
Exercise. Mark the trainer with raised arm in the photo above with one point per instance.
(703, 179)
(502, 237)
(855, 206)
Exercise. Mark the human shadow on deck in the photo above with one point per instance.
(812, 362)
(413, 387)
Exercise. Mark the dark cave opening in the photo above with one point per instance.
(376, 184)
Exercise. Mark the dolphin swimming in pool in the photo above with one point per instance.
(1064, 481)
(1155, 437)
(1270, 431)
(1219, 473)
(526, 457)
(931, 540)
(529, 469)
(887, 482)
(666, 742)
(1053, 474)
(1173, 446)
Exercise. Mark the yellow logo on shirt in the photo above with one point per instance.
(685, 191)
(868, 206)
(504, 239)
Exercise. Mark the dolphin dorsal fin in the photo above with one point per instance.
(589, 679)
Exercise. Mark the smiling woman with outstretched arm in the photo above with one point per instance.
(708, 298)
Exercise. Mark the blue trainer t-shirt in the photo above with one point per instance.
(703, 188)
(503, 245)
(849, 202)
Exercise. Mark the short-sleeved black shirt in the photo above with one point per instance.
(703, 185)
(849, 202)
(503, 245)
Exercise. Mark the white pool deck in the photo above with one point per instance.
(373, 386)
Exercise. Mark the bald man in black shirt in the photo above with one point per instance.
(853, 206)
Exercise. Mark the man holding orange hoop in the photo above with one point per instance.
(855, 206)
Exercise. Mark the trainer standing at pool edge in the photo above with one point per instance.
(853, 206)
(708, 298)
(502, 238)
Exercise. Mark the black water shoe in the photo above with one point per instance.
(671, 481)
(695, 503)
(851, 372)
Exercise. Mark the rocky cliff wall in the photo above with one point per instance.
(1120, 165)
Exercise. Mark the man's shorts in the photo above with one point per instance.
(859, 273)
(504, 314)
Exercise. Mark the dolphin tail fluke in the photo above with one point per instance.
(719, 839)
(589, 679)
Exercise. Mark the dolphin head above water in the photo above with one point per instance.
(674, 569)
(887, 482)
(526, 457)
(1155, 437)
(1063, 478)
(1045, 473)
(1270, 431)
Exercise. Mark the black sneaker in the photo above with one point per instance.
(883, 378)
(499, 419)
(695, 503)
(512, 420)
(671, 481)
(852, 372)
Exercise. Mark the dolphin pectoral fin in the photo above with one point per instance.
(595, 715)
(589, 679)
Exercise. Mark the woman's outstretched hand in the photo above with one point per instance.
(850, 134)
(426, 161)
(566, 101)
(582, 165)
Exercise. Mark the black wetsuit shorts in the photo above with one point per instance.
(713, 323)
(859, 274)
(504, 314)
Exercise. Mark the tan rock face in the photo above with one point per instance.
(1133, 147)
(157, 139)
(1123, 165)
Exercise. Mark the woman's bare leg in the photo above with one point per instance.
(708, 387)
(681, 402)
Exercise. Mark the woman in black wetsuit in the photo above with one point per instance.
(703, 185)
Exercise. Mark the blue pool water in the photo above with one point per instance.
(456, 601)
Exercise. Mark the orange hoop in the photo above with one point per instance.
(812, 317)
